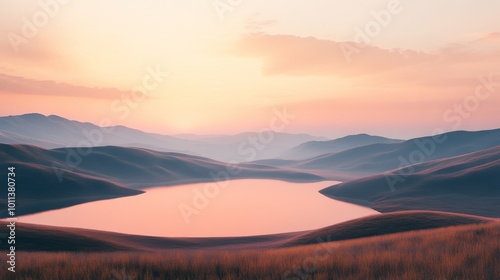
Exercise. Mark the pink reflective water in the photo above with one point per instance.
(233, 208)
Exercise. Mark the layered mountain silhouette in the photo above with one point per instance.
(377, 158)
(138, 168)
(467, 184)
(315, 148)
(63, 162)
(244, 147)
(55, 132)
(51, 132)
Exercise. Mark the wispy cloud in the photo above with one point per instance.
(494, 36)
(19, 85)
(309, 56)
(255, 23)
(293, 55)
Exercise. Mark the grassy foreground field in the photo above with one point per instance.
(463, 252)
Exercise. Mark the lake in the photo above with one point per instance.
(232, 208)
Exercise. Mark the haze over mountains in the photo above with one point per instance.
(376, 158)
(51, 132)
(315, 148)
(448, 169)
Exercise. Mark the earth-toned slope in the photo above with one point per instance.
(48, 238)
(38, 189)
(468, 184)
(389, 223)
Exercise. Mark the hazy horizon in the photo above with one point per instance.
(340, 68)
(326, 135)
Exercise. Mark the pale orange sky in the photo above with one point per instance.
(226, 74)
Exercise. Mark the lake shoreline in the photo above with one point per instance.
(210, 210)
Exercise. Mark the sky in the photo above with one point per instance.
(393, 68)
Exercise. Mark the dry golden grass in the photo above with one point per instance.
(465, 252)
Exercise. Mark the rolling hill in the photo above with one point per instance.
(38, 189)
(51, 179)
(316, 148)
(384, 224)
(461, 252)
(139, 168)
(49, 238)
(468, 184)
(377, 158)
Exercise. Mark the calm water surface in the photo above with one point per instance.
(238, 208)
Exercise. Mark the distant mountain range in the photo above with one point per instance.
(455, 171)
(51, 132)
(468, 184)
(315, 148)
(377, 158)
